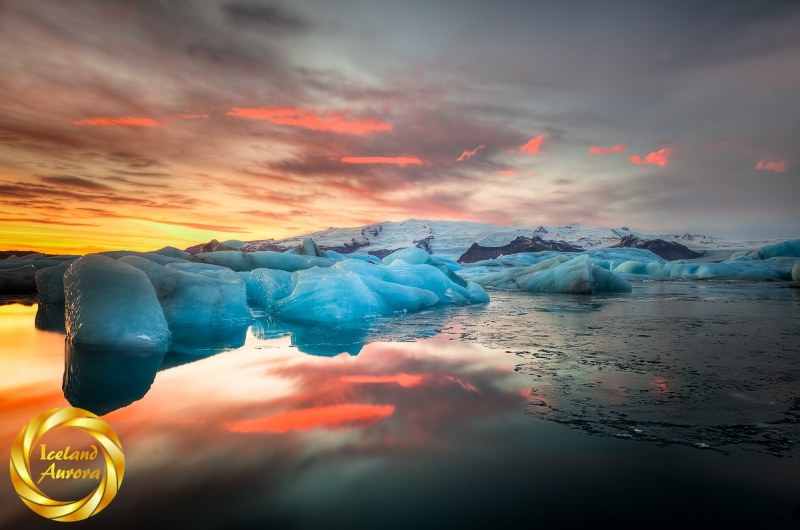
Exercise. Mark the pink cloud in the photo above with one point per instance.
(777, 167)
(334, 121)
(506, 173)
(392, 160)
(619, 148)
(533, 146)
(656, 158)
(466, 155)
(118, 121)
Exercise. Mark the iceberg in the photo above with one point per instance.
(50, 284)
(112, 303)
(557, 274)
(784, 249)
(328, 296)
(266, 286)
(265, 259)
(196, 298)
(19, 280)
(796, 271)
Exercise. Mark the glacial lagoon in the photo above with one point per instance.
(675, 405)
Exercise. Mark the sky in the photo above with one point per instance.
(139, 124)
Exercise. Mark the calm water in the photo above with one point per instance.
(676, 406)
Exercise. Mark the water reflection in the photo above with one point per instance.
(428, 433)
(100, 380)
(50, 317)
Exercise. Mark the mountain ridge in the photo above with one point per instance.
(454, 238)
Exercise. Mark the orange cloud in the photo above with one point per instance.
(404, 380)
(308, 418)
(619, 148)
(533, 146)
(313, 120)
(392, 160)
(118, 121)
(466, 155)
(777, 167)
(506, 173)
(656, 158)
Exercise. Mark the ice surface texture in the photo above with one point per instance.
(351, 290)
(112, 303)
(558, 274)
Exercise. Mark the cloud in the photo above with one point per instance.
(265, 16)
(333, 121)
(533, 146)
(777, 167)
(118, 121)
(506, 173)
(392, 160)
(656, 158)
(619, 148)
(466, 155)
(74, 182)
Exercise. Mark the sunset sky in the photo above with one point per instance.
(144, 123)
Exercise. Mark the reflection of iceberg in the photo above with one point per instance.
(324, 341)
(205, 340)
(100, 380)
(50, 317)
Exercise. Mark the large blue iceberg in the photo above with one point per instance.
(159, 301)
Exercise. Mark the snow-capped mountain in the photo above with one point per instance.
(453, 238)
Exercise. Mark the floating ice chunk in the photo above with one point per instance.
(361, 257)
(50, 283)
(559, 274)
(195, 299)
(111, 303)
(267, 259)
(266, 286)
(417, 256)
(789, 249)
(309, 248)
(233, 243)
(611, 258)
(758, 270)
(172, 252)
(334, 296)
(639, 267)
(19, 280)
(411, 255)
(37, 263)
(433, 279)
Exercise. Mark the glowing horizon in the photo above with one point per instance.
(117, 131)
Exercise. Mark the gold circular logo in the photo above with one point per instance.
(109, 481)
